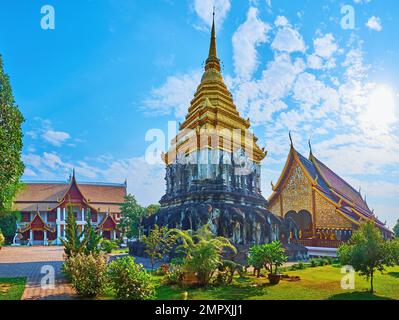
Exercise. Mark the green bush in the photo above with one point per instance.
(314, 263)
(162, 270)
(174, 275)
(108, 245)
(130, 280)
(87, 273)
(298, 266)
(2, 239)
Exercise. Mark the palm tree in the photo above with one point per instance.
(203, 251)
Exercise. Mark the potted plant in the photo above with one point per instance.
(270, 256)
(274, 257)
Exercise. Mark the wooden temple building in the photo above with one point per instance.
(43, 206)
(324, 206)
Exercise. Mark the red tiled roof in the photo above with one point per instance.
(46, 196)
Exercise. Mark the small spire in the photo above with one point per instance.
(212, 48)
(213, 61)
(289, 134)
(310, 148)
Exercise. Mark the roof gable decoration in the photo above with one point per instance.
(37, 223)
(74, 190)
(108, 224)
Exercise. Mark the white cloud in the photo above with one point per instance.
(174, 95)
(374, 23)
(325, 46)
(248, 36)
(203, 8)
(281, 21)
(56, 138)
(288, 40)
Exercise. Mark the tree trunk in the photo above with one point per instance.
(372, 281)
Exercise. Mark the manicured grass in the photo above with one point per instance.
(120, 251)
(320, 283)
(12, 288)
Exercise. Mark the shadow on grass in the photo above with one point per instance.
(394, 274)
(358, 296)
(240, 290)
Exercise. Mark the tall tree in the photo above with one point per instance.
(92, 238)
(11, 165)
(131, 214)
(367, 252)
(73, 242)
(396, 229)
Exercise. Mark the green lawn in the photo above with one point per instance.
(120, 251)
(320, 283)
(12, 288)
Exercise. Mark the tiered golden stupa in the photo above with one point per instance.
(213, 168)
(213, 121)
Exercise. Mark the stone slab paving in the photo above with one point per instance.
(28, 262)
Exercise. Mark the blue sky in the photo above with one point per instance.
(112, 70)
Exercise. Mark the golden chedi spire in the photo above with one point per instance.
(213, 62)
(213, 110)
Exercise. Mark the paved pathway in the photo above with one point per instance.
(28, 262)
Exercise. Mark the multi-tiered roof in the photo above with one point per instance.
(212, 111)
(348, 201)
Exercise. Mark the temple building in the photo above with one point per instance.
(213, 168)
(43, 206)
(324, 207)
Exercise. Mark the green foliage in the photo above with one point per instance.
(92, 238)
(203, 252)
(2, 239)
(158, 243)
(152, 209)
(367, 252)
(8, 224)
(270, 256)
(108, 245)
(74, 242)
(87, 273)
(130, 280)
(174, 274)
(396, 229)
(297, 266)
(11, 165)
(131, 215)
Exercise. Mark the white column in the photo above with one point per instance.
(57, 241)
(114, 236)
(45, 242)
(63, 214)
(83, 214)
(31, 237)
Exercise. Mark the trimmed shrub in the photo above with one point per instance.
(87, 273)
(2, 239)
(130, 280)
(108, 245)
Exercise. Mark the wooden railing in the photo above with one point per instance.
(320, 243)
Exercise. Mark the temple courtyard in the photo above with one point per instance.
(21, 274)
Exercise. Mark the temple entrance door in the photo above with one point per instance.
(303, 220)
(38, 235)
(107, 235)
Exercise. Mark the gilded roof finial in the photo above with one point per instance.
(213, 61)
(310, 148)
(289, 134)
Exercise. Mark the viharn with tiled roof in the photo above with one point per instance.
(326, 208)
(44, 208)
